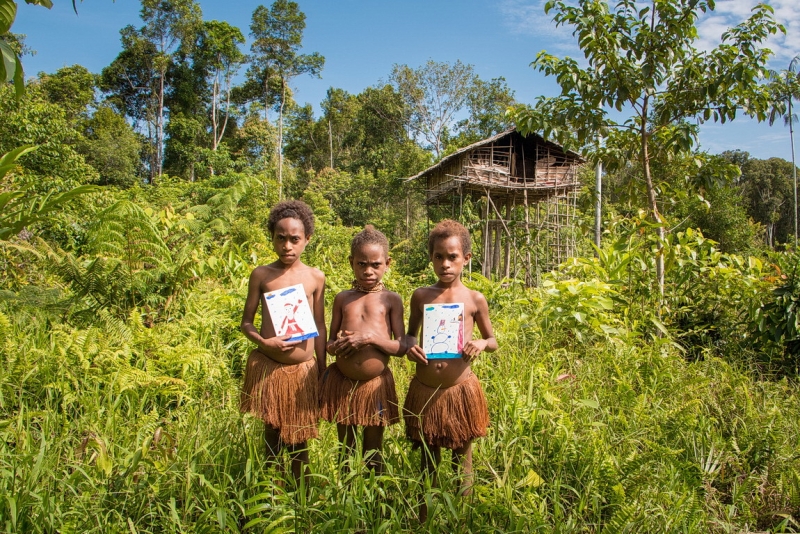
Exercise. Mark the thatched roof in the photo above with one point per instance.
(489, 140)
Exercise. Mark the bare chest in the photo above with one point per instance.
(365, 311)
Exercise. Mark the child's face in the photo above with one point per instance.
(369, 263)
(289, 240)
(448, 258)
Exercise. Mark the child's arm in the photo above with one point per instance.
(271, 346)
(415, 352)
(488, 343)
(396, 323)
(319, 319)
(336, 323)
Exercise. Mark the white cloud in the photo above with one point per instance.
(729, 13)
(528, 19)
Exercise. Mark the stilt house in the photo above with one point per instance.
(526, 189)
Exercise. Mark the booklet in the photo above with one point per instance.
(290, 313)
(443, 330)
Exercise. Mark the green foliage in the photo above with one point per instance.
(35, 121)
(433, 94)
(10, 65)
(21, 209)
(71, 88)
(643, 61)
(767, 192)
(613, 410)
(778, 319)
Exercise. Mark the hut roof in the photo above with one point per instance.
(492, 139)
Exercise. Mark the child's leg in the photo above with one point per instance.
(273, 441)
(347, 437)
(430, 456)
(373, 445)
(462, 457)
(299, 455)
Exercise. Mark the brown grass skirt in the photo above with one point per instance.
(446, 417)
(283, 396)
(357, 402)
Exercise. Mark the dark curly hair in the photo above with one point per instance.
(369, 236)
(294, 209)
(449, 228)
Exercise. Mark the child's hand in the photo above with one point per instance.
(416, 354)
(349, 343)
(276, 345)
(472, 349)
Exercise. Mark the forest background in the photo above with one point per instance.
(133, 210)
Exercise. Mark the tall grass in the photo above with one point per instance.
(608, 413)
(137, 430)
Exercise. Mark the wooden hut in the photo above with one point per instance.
(526, 189)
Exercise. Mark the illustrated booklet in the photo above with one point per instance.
(290, 313)
(443, 330)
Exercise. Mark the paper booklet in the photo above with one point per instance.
(290, 313)
(443, 330)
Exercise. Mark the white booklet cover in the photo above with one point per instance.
(290, 313)
(443, 330)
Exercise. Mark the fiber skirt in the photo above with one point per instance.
(358, 402)
(446, 417)
(283, 396)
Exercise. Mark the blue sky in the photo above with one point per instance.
(362, 39)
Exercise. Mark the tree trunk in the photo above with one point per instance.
(794, 171)
(652, 201)
(160, 125)
(280, 139)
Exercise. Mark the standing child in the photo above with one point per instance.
(281, 377)
(366, 328)
(445, 405)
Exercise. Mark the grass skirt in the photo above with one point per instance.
(357, 402)
(446, 417)
(283, 396)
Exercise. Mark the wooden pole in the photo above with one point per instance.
(507, 261)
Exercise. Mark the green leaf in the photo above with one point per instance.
(659, 325)
(531, 480)
(8, 62)
(8, 160)
(44, 3)
(8, 12)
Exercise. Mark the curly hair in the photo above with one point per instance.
(449, 228)
(294, 209)
(369, 236)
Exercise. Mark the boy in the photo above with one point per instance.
(366, 329)
(445, 405)
(281, 377)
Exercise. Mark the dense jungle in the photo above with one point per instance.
(646, 385)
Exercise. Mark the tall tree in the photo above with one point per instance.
(167, 25)
(643, 63)
(218, 50)
(72, 88)
(487, 103)
(434, 94)
(786, 88)
(277, 34)
(110, 145)
(131, 85)
(767, 191)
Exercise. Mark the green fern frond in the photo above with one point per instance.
(126, 232)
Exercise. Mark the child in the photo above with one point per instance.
(281, 377)
(445, 405)
(366, 328)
